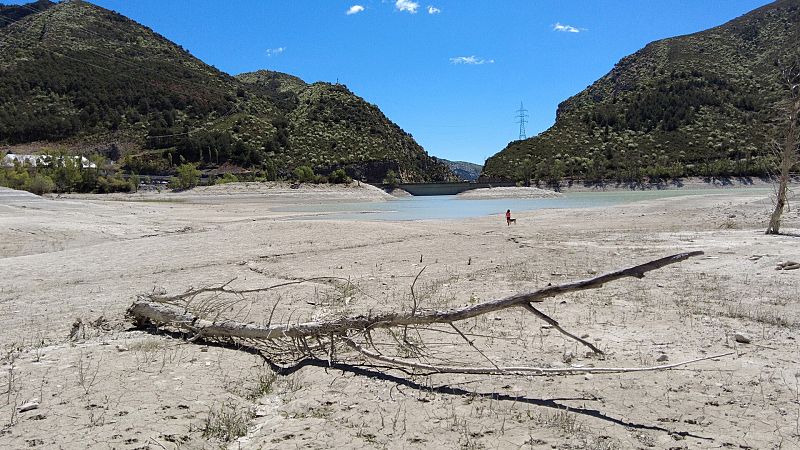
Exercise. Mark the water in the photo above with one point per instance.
(451, 207)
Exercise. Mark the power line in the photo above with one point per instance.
(522, 119)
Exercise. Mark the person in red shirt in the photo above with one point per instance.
(508, 218)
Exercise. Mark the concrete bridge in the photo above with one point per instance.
(423, 189)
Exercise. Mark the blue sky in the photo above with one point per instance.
(450, 72)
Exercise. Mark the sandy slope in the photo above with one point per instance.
(508, 192)
(87, 258)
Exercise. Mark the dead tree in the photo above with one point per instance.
(333, 337)
(788, 151)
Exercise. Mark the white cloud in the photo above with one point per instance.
(473, 60)
(433, 10)
(275, 51)
(407, 6)
(565, 28)
(355, 9)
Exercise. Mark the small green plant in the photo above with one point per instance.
(227, 178)
(391, 179)
(303, 174)
(40, 184)
(187, 176)
(227, 422)
(339, 176)
(264, 384)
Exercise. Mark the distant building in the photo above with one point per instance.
(41, 160)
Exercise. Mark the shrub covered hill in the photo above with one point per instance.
(326, 126)
(74, 75)
(465, 171)
(704, 104)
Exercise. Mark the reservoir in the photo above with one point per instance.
(438, 207)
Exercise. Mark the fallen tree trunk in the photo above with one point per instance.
(163, 312)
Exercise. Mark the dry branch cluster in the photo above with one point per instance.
(407, 339)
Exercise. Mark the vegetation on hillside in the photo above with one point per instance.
(84, 77)
(56, 171)
(464, 170)
(698, 105)
(327, 127)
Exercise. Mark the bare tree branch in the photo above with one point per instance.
(162, 312)
(520, 370)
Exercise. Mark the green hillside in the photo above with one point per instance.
(12, 13)
(79, 77)
(704, 104)
(329, 127)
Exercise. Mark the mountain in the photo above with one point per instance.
(704, 104)
(12, 13)
(333, 128)
(464, 170)
(78, 76)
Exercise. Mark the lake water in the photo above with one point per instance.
(451, 207)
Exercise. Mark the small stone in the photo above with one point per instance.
(588, 377)
(584, 336)
(791, 266)
(592, 271)
(739, 337)
(29, 406)
(663, 358)
(121, 348)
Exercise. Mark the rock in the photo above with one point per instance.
(741, 338)
(662, 358)
(788, 265)
(121, 348)
(588, 377)
(29, 406)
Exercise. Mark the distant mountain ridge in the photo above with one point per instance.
(703, 104)
(464, 170)
(81, 76)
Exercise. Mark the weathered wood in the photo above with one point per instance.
(163, 313)
(520, 370)
(789, 153)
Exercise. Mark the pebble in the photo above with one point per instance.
(122, 348)
(788, 265)
(663, 358)
(588, 376)
(739, 337)
(29, 406)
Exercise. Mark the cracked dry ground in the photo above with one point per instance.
(111, 386)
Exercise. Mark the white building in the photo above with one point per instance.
(41, 160)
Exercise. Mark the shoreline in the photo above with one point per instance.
(284, 192)
(674, 184)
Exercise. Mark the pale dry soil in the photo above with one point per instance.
(113, 386)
